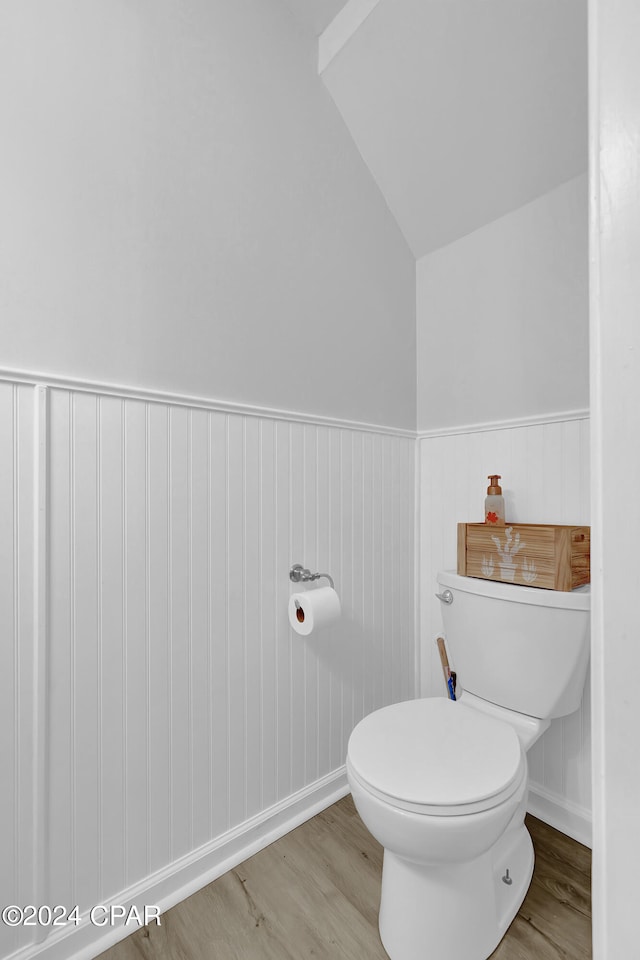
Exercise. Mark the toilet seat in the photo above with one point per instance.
(436, 757)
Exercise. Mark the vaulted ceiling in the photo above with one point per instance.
(464, 110)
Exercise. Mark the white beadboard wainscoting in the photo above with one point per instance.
(159, 720)
(545, 478)
(18, 649)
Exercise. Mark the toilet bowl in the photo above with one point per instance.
(439, 781)
(438, 784)
(442, 785)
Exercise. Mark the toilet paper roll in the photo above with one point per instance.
(313, 609)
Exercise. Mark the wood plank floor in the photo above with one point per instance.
(315, 893)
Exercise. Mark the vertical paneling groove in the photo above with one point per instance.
(210, 683)
(15, 638)
(136, 663)
(125, 683)
(252, 602)
(332, 568)
(86, 666)
(398, 608)
(72, 638)
(377, 570)
(189, 613)
(355, 568)
(277, 540)
(170, 627)
(259, 587)
(218, 637)
(384, 493)
(323, 541)
(321, 560)
(294, 644)
(9, 798)
(341, 572)
(293, 551)
(159, 661)
(14, 634)
(270, 578)
(395, 618)
(391, 573)
(99, 644)
(236, 620)
(304, 554)
(312, 652)
(9, 745)
(229, 611)
(180, 640)
(40, 849)
(111, 656)
(147, 626)
(349, 493)
(180, 701)
(368, 560)
(362, 553)
(243, 573)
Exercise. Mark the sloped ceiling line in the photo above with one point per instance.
(463, 111)
(341, 29)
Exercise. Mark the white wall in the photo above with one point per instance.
(615, 294)
(186, 724)
(183, 209)
(502, 317)
(546, 480)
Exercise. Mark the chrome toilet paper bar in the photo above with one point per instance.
(300, 574)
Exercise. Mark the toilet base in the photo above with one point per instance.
(455, 912)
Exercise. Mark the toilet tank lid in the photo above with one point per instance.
(578, 599)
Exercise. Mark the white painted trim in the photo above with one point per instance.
(600, 881)
(185, 400)
(148, 395)
(190, 873)
(341, 29)
(565, 816)
(533, 421)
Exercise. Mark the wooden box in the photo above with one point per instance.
(530, 554)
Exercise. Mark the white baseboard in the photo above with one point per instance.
(565, 816)
(190, 873)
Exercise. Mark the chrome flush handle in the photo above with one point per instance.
(446, 596)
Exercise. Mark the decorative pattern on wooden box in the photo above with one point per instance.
(530, 554)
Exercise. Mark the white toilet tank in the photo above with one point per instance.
(523, 648)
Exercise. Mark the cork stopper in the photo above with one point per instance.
(494, 490)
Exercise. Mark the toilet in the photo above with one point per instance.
(442, 785)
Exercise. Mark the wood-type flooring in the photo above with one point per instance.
(315, 893)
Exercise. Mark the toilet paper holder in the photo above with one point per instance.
(300, 574)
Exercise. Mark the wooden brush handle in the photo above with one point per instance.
(444, 660)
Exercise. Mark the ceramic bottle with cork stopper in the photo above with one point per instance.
(494, 502)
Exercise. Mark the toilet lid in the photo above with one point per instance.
(438, 754)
